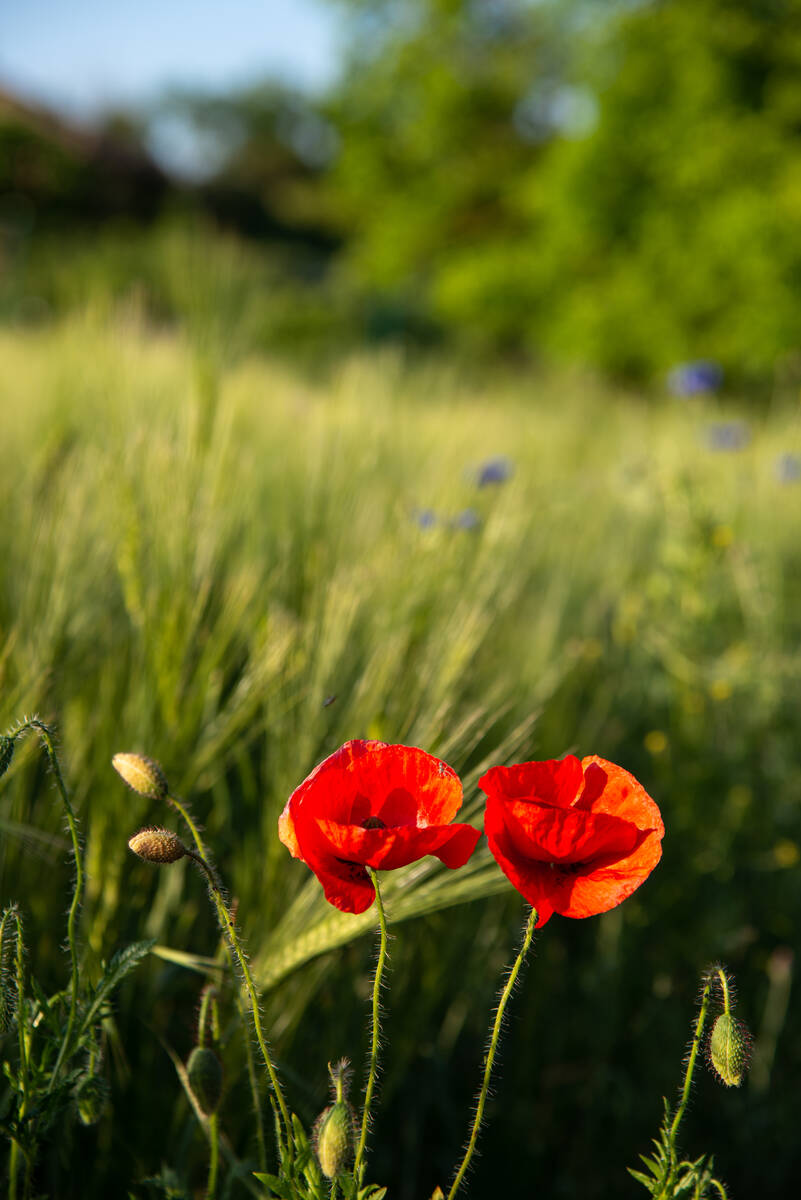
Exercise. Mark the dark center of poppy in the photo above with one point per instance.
(373, 823)
(567, 868)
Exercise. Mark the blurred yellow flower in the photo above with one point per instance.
(720, 689)
(722, 536)
(786, 853)
(655, 742)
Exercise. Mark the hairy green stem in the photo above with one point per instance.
(667, 1190)
(724, 987)
(358, 1164)
(229, 929)
(492, 1050)
(46, 736)
(11, 914)
(183, 811)
(214, 1156)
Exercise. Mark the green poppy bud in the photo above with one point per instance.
(142, 774)
(335, 1129)
(729, 1049)
(205, 1078)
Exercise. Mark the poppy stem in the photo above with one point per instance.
(46, 735)
(358, 1165)
(685, 1091)
(229, 931)
(491, 1051)
(183, 811)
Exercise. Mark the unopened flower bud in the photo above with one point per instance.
(157, 846)
(729, 1049)
(6, 753)
(335, 1129)
(205, 1078)
(91, 1097)
(142, 774)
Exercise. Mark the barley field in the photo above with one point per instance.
(234, 565)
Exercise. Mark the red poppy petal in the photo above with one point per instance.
(529, 877)
(555, 781)
(406, 786)
(286, 831)
(624, 797)
(601, 890)
(565, 835)
(387, 849)
(399, 784)
(342, 761)
(347, 890)
(595, 779)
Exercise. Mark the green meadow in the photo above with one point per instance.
(234, 564)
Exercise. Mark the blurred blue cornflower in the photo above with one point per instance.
(425, 518)
(787, 468)
(727, 435)
(694, 378)
(493, 471)
(467, 519)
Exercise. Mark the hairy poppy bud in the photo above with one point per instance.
(729, 1049)
(142, 774)
(91, 1097)
(335, 1129)
(157, 846)
(205, 1078)
(6, 753)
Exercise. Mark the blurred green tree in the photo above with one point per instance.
(618, 183)
(437, 131)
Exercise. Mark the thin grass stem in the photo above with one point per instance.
(492, 1050)
(358, 1164)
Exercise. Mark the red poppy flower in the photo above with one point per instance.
(573, 837)
(374, 805)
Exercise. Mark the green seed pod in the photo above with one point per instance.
(333, 1139)
(6, 753)
(205, 1078)
(729, 1049)
(157, 846)
(142, 774)
(334, 1130)
(91, 1097)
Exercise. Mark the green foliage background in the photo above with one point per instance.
(611, 184)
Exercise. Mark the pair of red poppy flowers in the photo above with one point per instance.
(574, 836)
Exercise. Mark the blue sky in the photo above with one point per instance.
(79, 55)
